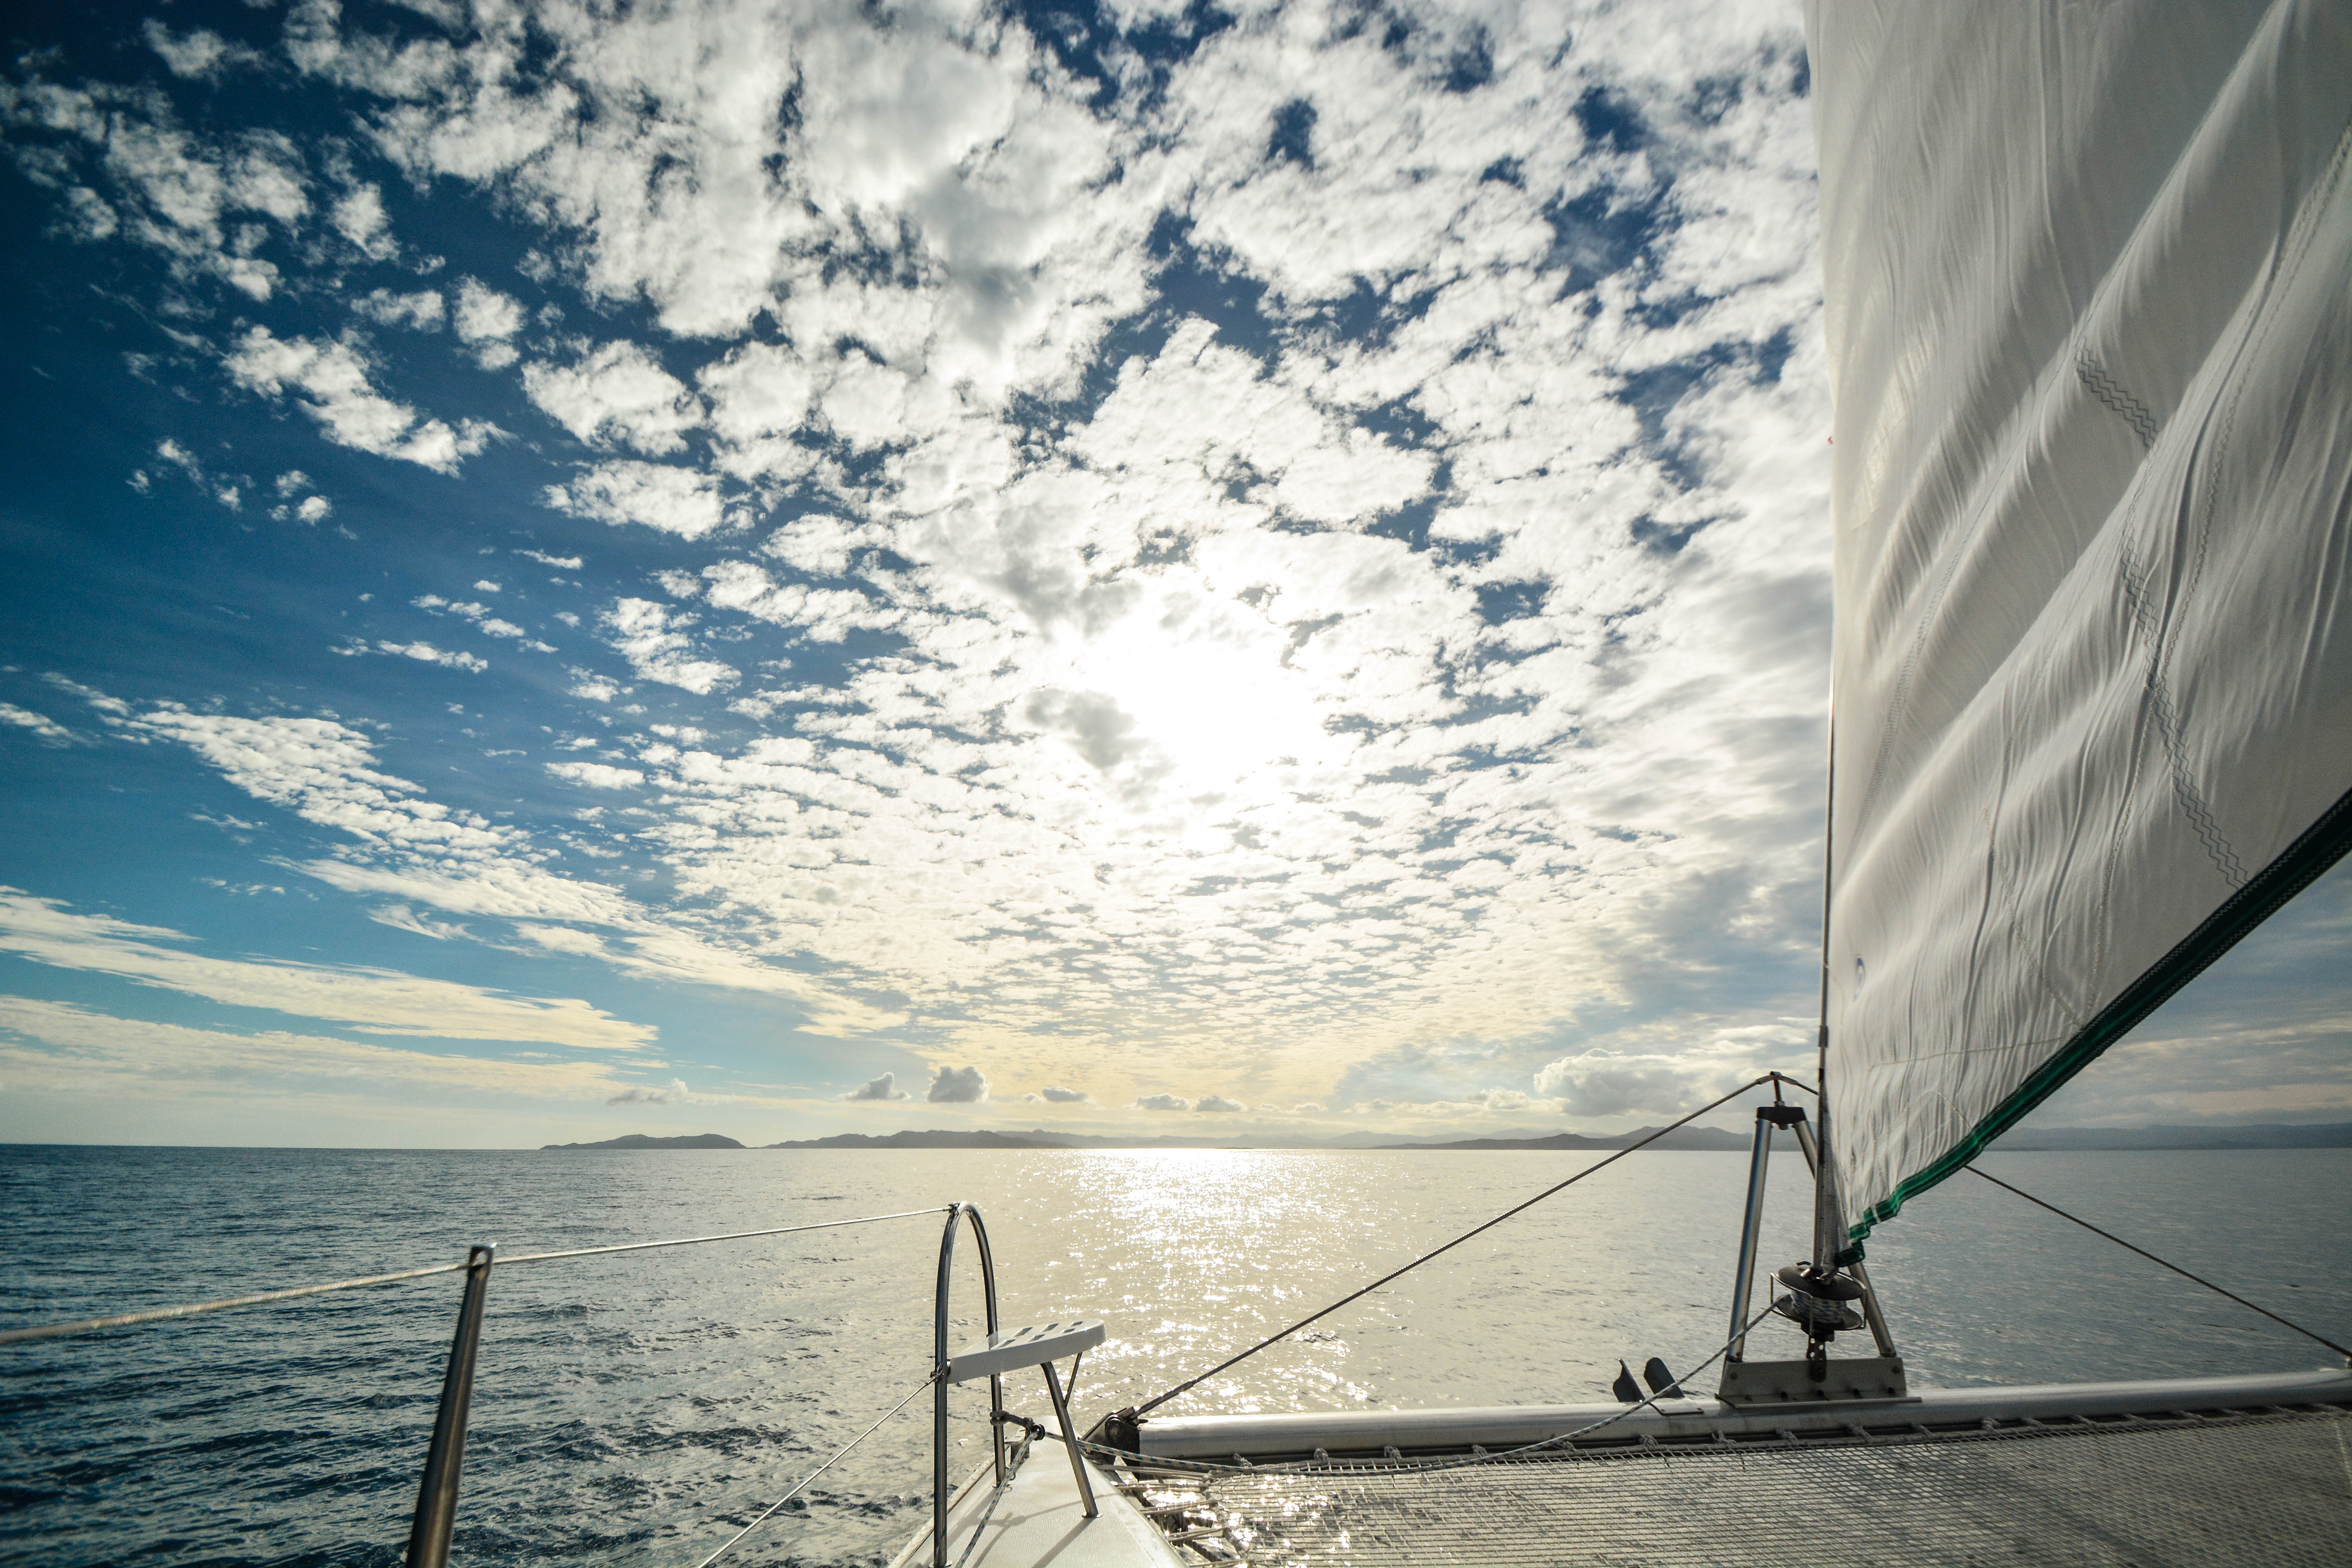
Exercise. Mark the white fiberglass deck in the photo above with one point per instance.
(1038, 1522)
(2188, 1471)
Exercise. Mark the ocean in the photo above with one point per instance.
(638, 1409)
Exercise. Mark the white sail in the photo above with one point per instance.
(2089, 281)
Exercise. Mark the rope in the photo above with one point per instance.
(1012, 1469)
(2152, 1258)
(159, 1314)
(821, 1469)
(1154, 1404)
(1298, 1466)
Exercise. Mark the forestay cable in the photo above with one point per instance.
(1155, 1403)
(1146, 1461)
(2152, 1258)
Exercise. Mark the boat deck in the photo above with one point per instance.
(2255, 1489)
(2188, 1471)
(1038, 1520)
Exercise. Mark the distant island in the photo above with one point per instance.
(1682, 1138)
(639, 1140)
(941, 1139)
(2023, 1140)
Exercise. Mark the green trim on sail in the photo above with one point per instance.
(2319, 847)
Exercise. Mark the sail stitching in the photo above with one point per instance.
(2168, 728)
(2131, 409)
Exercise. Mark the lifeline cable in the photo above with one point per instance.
(1154, 1404)
(821, 1469)
(161, 1314)
(2152, 1258)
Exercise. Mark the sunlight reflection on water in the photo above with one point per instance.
(629, 1409)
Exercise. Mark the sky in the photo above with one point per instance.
(1202, 571)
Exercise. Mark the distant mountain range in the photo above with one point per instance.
(639, 1140)
(1681, 1138)
(2272, 1135)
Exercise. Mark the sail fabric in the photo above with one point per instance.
(2089, 284)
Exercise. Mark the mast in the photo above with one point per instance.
(1829, 1222)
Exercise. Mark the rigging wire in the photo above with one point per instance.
(1189, 1385)
(2152, 1258)
(802, 1484)
(159, 1314)
(1431, 1465)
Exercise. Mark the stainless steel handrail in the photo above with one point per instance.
(940, 1372)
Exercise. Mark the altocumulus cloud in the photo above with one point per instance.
(1075, 656)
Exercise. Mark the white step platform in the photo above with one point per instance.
(1041, 1520)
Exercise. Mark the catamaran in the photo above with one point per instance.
(2089, 281)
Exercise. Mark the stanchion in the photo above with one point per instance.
(437, 1495)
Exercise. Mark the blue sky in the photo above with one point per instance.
(798, 569)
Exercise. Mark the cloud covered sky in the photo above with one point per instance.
(797, 568)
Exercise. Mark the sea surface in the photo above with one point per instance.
(638, 1409)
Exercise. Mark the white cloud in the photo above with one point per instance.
(1162, 1102)
(884, 1088)
(1178, 728)
(44, 728)
(1219, 1104)
(400, 917)
(414, 850)
(375, 1001)
(59, 1045)
(485, 315)
(425, 653)
(597, 776)
(1603, 1083)
(678, 501)
(199, 54)
(650, 636)
(419, 312)
(347, 407)
(171, 192)
(820, 545)
(1060, 1096)
(956, 1086)
(561, 562)
(673, 1092)
(486, 320)
(619, 393)
(360, 218)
